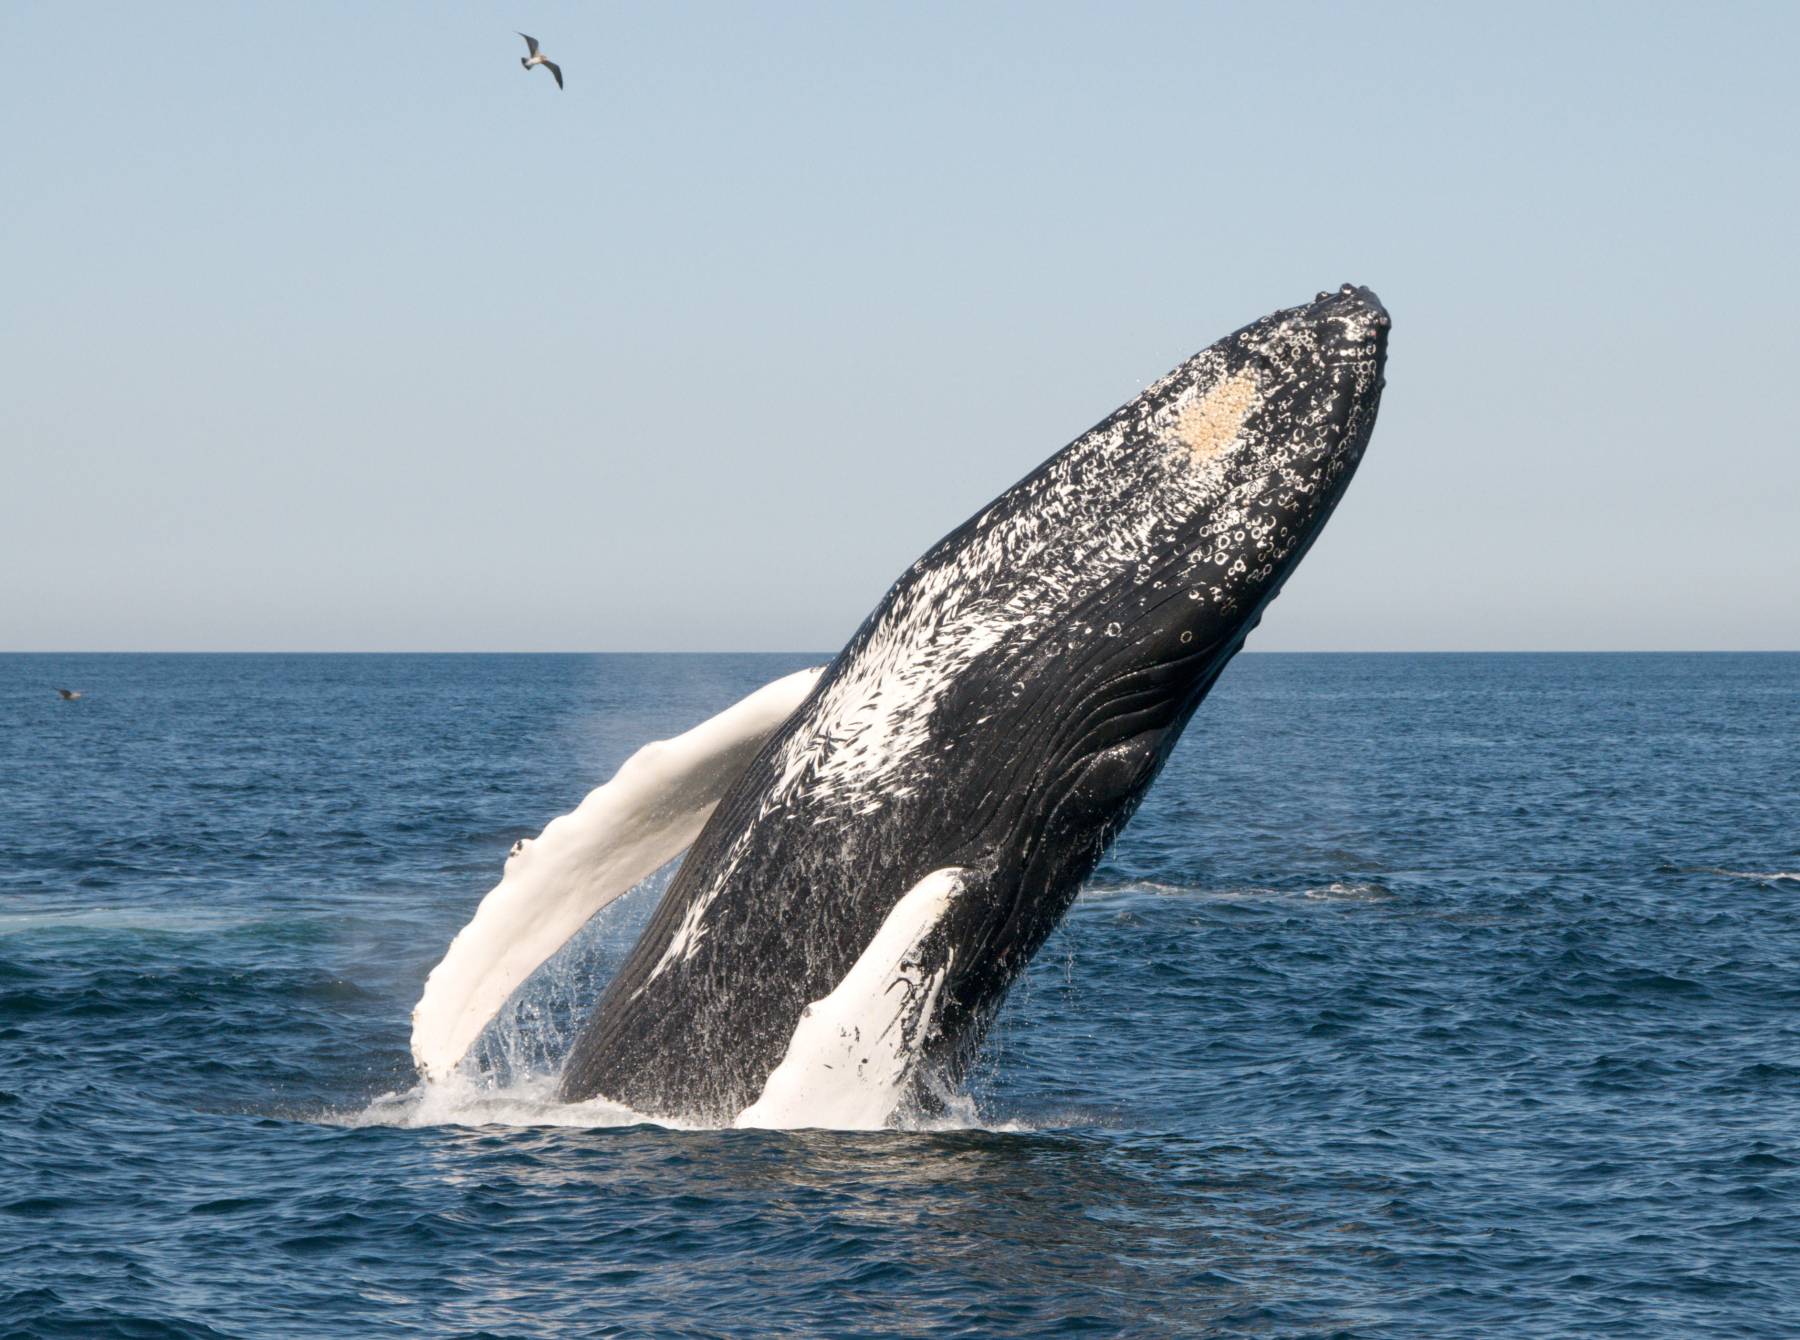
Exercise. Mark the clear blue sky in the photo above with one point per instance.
(325, 326)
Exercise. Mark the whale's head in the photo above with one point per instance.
(1225, 470)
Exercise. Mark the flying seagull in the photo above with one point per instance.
(69, 695)
(537, 58)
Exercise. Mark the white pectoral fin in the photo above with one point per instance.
(852, 1056)
(648, 814)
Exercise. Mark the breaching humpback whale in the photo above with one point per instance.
(878, 848)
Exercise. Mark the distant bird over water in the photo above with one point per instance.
(69, 695)
(537, 58)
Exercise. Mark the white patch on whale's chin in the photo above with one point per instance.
(648, 814)
(851, 1060)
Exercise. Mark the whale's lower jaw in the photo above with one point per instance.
(1001, 713)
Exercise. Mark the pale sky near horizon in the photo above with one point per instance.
(327, 327)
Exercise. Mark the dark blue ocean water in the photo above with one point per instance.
(1427, 996)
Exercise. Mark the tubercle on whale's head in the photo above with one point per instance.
(1358, 315)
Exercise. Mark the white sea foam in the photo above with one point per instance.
(531, 1103)
(465, 1101)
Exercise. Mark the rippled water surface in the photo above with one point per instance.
(1426, 996)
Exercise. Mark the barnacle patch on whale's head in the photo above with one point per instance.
(1213, 419)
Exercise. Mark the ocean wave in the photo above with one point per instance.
(166, 922)
(1351, 891)
(1725, 872)
(1356, 891)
